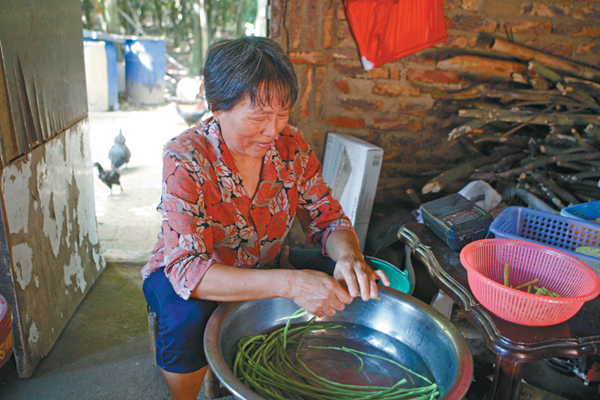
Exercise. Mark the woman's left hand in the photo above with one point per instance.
(351, 267)
(358, 276)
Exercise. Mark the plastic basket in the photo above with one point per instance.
(398, 279)
(562, 233)
(557, 271)
(584, 211)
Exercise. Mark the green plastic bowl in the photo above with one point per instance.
(398, 279)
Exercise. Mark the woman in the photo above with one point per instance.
(231, 189)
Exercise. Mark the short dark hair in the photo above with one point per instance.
(250, 65)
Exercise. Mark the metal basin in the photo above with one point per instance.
(397, 326)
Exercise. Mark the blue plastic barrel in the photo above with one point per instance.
(113, 80)
(145, 70)
(102, 86)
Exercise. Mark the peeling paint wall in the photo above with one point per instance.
(50, 254)
(48, 196)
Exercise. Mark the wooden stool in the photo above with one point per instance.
(212, 386)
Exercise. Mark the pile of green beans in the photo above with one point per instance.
(261, 363)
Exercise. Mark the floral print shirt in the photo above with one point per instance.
(207, 216)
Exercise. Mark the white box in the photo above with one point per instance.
(351, 168)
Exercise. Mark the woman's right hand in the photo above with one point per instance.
(316, 292)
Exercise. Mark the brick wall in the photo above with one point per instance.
(394, 106)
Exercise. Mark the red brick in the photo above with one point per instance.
(401, 124)
(320, 79)
(432, 76)
(471, 5)
(277, 20)
(451, 4)
(362, 105)
(347, 122)
(589, 48)
(352, 71)
(341, 13)
(346, 50)
(315, 142)
(551, 47)
(423, 57)
(344, 32)
(308, 57)
(565, 28)
(470, 23)
(342, 86)
(305, 91)
(589, 13)
(379, 73)
(591, 31)
(396, 73)
(328, 20)
(312, 16)
(295, 24)
(456, 42)
(544, 10)
(526, 26)
(395, 90)
(413, 109)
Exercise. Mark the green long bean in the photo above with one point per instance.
(264, 365)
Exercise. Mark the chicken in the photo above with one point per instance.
(192, 116)
(193, 107)
(109, 177)
(119, 153)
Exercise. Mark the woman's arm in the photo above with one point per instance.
(323, 219)
(343, 247)
(315, 291)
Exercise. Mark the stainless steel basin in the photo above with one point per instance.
(397, 325)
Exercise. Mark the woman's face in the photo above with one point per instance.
(249, 130)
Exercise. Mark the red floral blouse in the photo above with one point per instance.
(208, 217)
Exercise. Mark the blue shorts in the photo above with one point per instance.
(181, 323)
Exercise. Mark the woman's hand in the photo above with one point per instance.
(351, 268)
(358, 276)
(317, 292)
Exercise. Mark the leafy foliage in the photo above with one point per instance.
(183, 23)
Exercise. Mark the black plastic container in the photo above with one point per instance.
(456, 220)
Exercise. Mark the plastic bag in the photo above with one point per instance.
(482, 194)
(386, 30)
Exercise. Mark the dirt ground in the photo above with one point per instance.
(127, 220)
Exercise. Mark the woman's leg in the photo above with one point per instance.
(179, 344)
(184, 386)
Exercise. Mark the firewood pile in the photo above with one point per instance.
(534, 131)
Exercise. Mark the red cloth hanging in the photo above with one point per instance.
(386, 30)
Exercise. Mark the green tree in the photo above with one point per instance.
(194, 22)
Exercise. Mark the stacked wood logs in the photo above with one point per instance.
(537, 134)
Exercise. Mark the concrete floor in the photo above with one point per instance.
(104, 351)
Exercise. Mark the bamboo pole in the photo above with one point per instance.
(556, 63)
(504, 162)
(536, 164)
(488, 67)
(593, 130)
(554, 188)
(462, 171)
(570, 79)
(535, 65)
(549, 119)
(467, 127)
